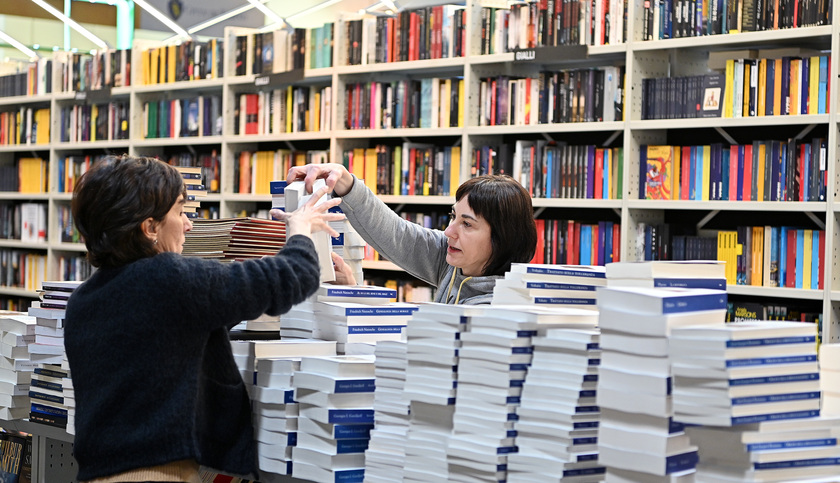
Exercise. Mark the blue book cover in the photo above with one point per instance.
(690, 303)
(797, 463)
(774, 256)
(605, 189)
(712, 283)
(740, 185)
(692, 173)
(724, 180)
(805, 185)
(800, 257)
(348, 446)
(569, 272)
(815, 259)
(771, 341)
(681, 462)
(350, 416)
(823, 66)
(354, 385)
(599, 245)
(805, 443)
(44, 409)
(288, 395)
(608, 243)
(348, 291)
(291, 438)
(598, 470)
(356, 475)
(767, 361)
(805, 85)
(748, 381)
(563, 301)
(782, 255)
(46, 397)
(384, 310)
(586, 244)
(352, 431)
(560, 286)
(549, 163)
(375, 329)
(800, 396)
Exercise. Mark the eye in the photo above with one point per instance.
(451, 216)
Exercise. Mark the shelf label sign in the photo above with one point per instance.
(278, 79)
(557, 53)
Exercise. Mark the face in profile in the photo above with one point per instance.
(171, 232)
(469, 240)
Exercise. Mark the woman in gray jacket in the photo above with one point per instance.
(491, 226)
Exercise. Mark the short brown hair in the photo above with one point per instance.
(506, 206)
(111, 200)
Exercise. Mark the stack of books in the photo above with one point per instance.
(783, 450)
(553, 285)
(829, 359)
(294, 196)
(349, 323)
(709, 274)
(557, 425)
(745, 372)
(433, 340)
(335, 395)
(638, 439)
(385, 456)
(193, 179)
(16, 330)
(493, 361)
(49, 404)
(299, 321)
(275, 410)
(234, 239)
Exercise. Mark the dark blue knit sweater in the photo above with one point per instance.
(151, 362)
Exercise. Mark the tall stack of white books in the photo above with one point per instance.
(299, 321)
(335, 397)
(349, 245)
(47, 350)
(385, 456)
(557, 428)
(16, 330)
(493, 361)
(246, 353)
(728, 378)
(433, 341)
(638, 438)
(553, 285)
(829, 359)
(290, 197)
(710, 274)
(275, 410)
(355, 294)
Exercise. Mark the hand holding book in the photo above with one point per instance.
(338, 179)
(313, 216)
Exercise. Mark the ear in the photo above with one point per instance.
(149, 227)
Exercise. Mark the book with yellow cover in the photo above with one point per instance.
(756, 276)
(455, 173)
(729, 88)
(370, 168)
(707, 173)
(658, 172)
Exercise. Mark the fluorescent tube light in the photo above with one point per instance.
(162, 18)
(267, 11)
(14, 43)
(72, 23)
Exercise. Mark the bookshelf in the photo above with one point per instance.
(330, 136)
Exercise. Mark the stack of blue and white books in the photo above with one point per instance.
(336, 397)
(557, 425)
(709, 274)
(274, 408)
(433, 343)
(385, 456)
(350, 323)
(16, 331)
(494, 358)
(638, 438)
(553, 285)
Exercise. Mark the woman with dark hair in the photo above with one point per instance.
(491, 226)
(157, 390)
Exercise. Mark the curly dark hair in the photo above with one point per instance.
(111, 200)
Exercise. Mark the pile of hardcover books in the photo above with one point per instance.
(234, 239)
(551, 285)
(638, 438)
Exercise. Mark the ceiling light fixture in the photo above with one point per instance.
(72, 24)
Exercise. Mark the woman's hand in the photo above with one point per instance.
(343, 272)
(310, 218)
(338, 179)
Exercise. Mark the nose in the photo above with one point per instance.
(188, 226)
(450, 230)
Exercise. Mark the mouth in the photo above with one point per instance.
(451, 249)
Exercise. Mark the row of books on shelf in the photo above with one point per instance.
(761, 171)
(93, 71)
(25, 125)
(209, 162)
(186, 117)
(408, 169)
(276, 51)
(745, 311)
(574, 95)
(71, 168)
(547, 169)
(69, 232)
(254, 170)
(24, 175)
(577, 243)
(426, 103)
(94, 122)
(552, 23)
(190, 60)
(26, 222)
(22, 269)
(414, 34)
(768, 256)
(288, 110)
(26, 79)
(667, 19)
